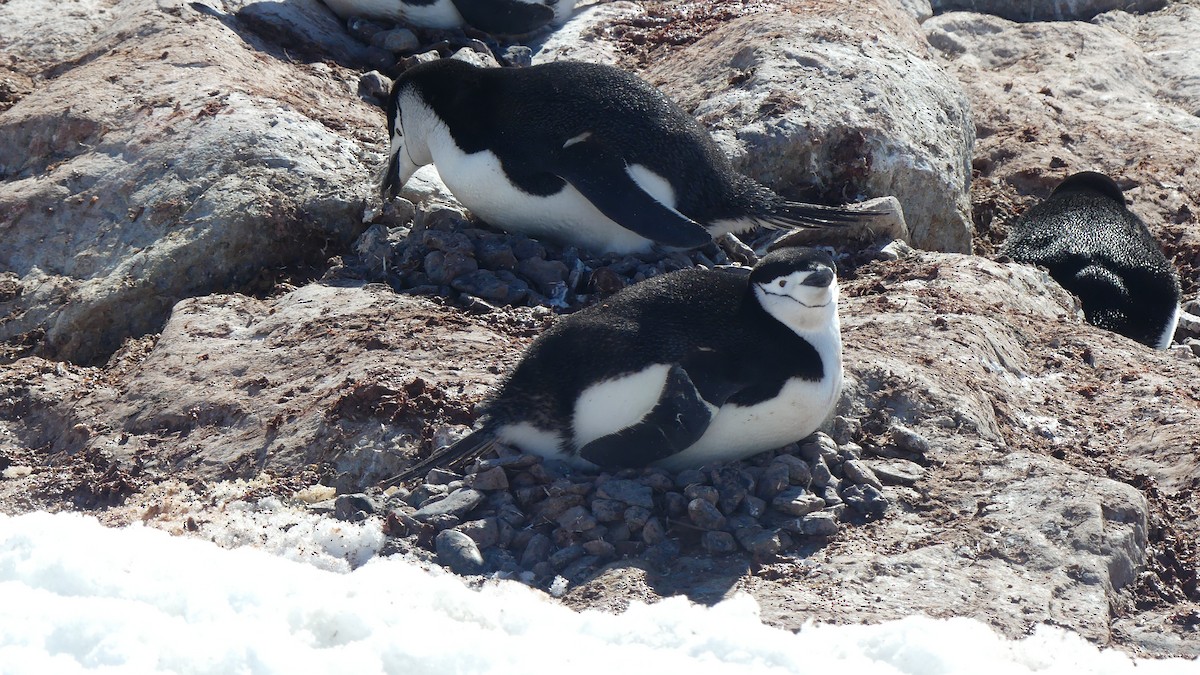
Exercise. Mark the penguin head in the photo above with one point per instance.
(1092, 182)
(411, 118)
(798, 287)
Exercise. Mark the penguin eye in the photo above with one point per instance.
(783, 283)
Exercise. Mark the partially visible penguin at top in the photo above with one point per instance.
(580, 153)
(496, 17)
(1103, 253)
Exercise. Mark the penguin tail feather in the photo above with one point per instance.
(453, 456)
(791, 215)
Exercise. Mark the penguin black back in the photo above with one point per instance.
(1103, 253)
(522, 115)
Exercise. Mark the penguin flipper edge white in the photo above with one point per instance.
(604, 180)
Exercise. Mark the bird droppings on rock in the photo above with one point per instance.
(538, 521)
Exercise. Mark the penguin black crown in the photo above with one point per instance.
(1100, 251)
(683, 369)
(582, 153)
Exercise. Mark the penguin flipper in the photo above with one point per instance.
(677, 420)
(790, 215)
(604, 180)
(452, 456)
(504, 17)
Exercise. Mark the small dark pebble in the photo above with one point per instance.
(706, 492)
(484, 532)
(441, 477)
(797, 502)
(799, 472)
(774, 480)
(753, 507)
(759, 540)
(675, 504)
(821, 475)
(354, 508)
(636, 517)
(458, 552)
(689, 477)
(608, 510)
(718, 543)
(653, 532)
(577, 519)
(537, 550)
(663, 554)
(704, 514)
(565, 556)
(458, 503)
(490, 479)
(628, 491)
(845, 430)
(861, 474)
(866, 500)
(580, 569)
(657, 480)
(600, 548)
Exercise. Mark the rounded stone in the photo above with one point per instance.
(458, 552)
(705, 515)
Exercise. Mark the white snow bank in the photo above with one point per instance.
(78, 597)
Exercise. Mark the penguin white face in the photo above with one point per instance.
(798, 287)
(409, 151)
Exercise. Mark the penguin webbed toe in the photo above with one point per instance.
(453, 456)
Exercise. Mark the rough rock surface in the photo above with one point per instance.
(1036, 469)
(1046, 10)
(166, 153)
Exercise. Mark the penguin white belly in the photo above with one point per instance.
(740, 431)
(479, 182)
(441, 14)
(612, 405)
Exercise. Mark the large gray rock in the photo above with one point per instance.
(1119, 96)
(1046, 10)
(835, 103)
(178, 153)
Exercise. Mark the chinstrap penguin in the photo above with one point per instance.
(497, 17)
(1100, 251)
(683, 369)
(581, 153)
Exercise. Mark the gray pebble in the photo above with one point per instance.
(495, 254)
(753, 507)
(818, 524)
(565, 556)
(484, 285)
(397, 41)
(458, 552)
(490, 479)
(577, 519)
(657, 480)
(821, 475)
(551, 508)
(908, 440)
(653, 532)
(819, 445)
(629, 491)
(363, 29)
(544, 274)
(608, 510)
(865, 499)
(537, 550)
(543, 570)
(662, 554)
(441, 477)
(850, 451)
(797, 502)
(759, 541)
(718, 543)
(897, 471)
(845, 430)
(458, 503)
(705, 515)
(374, 86)
(830, 494)
(675, 504)
(484, 532)
(618, 533)
(856, 470)
(774, 480)
(636, 517)
(518, 56)
(600, 548)
(799, 472)
(706, 492)
(733, 487)
(689, 477)
(355, 507)
(581, 569)
(442, 268)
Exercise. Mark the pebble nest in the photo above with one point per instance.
(518, 516)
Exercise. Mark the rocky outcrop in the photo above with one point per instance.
(1046, 10)
(827, 102)
(173, 153)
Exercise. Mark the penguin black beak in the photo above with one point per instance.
(819, 278)
(391, 178)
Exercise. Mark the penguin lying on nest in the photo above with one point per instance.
(681, 370)
(1100, 251)
(495, 17)
(581, 153)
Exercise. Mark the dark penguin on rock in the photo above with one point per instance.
(581, 153)
(496, 17)
(683, 369)
(1100, 251)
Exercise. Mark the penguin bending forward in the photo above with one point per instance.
(496, 17)
(680, 370)
(582, 153)
(1100, 251)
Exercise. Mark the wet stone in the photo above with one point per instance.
(866, 499)
(705, 515)
(706, 492)
(718, 543)
(491, 479)
(537, 550)
(458, 503)
(629, 491)
(797, 502)
(577, 519)
(608, 510)
(861, 474)
(897, 471)
(458, 552)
